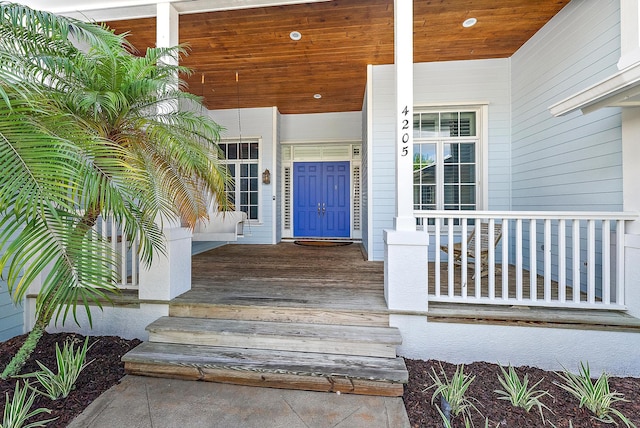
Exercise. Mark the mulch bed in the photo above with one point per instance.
(106, 370)
(563, 408)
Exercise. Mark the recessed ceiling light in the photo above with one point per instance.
(469, 22)
(295, 35)
(317, 96)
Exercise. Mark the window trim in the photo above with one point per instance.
(482, 150)
(249, 140)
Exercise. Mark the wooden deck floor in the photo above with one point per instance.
(323, 280)
(337, 277)
(287, 274)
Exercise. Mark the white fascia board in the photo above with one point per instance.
(105, 10)
(616, 90)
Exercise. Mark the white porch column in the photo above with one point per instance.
(629, 33)
(169, 275)
(166, 25)
(631, 202)
(405, 268)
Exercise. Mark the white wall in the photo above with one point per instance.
(443, 83)
(276, 178)
(255, 123)
(546, 348)
(572, 162)
(366, 143)
(126, 322)
(321, 127)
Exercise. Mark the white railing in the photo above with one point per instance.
(124, 251)
(564, 259)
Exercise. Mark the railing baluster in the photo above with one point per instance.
(606, 262)
(123, 258)
(519, 285)
(591, 261)
(491, 259)
(451, 265)
(620, 280)
(463, 246)
(135, 261)
(114, 240)
(547, 260)
(104, 234)
(478, 250)
(533, 261)
(562, 262)
(505, 259)
(437, 252)
(575, 237)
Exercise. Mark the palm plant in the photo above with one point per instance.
(88, 129)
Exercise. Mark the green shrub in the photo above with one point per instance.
(454, 391)
(70, 363)
(596, 397)
(518, 391)
(18, 410)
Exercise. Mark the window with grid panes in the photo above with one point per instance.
(445, 164)
(242, 159)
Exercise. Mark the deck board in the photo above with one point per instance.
(287, 275)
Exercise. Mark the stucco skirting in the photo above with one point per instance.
(547, 348)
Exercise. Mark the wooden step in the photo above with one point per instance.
(320, 338)
(248, 310)
(266, 368)
(268, 300)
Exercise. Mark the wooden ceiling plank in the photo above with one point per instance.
(338, 39)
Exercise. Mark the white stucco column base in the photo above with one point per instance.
(632, 274)
(169, 274)
(124, 321)
(405, 270)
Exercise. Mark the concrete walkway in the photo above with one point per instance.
(144, 402)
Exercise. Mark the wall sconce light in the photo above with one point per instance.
(266, 177)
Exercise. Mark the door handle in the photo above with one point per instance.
(324, 208)
(318, 208)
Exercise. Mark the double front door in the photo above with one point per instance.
(321, 199)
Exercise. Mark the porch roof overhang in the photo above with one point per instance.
(109, 10)
(621, 89)
(340, 38)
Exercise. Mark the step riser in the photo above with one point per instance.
(270, 380)
(276, 343)
(296, 315)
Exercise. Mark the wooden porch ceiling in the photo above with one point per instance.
(339, 39)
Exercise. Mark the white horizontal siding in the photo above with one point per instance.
(444, 83)
(321, 127)
(254, 123)
(573, 162)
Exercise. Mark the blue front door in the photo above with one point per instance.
(321, 199)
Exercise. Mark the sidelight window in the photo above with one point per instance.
(242, 160)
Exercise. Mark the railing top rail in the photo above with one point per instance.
(533, 215)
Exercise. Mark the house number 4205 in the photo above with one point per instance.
(404, 125)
